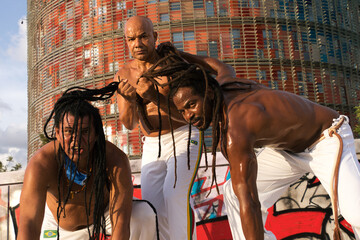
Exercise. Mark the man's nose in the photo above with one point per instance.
(81, 138)
(138, 42)
(188, 116)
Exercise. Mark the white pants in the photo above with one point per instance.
(278, 169)
(174, 210)
(142, 225)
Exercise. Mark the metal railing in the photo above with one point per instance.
(10, 188)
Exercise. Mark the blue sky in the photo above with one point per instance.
(13, 81)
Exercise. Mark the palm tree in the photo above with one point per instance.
(9, 160)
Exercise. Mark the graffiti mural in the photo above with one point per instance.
(303, 212)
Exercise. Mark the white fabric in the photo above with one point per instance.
(158, 177)
(142, 225)
(278, 169)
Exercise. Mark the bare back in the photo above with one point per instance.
(276, 118)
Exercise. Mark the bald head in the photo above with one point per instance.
(139, 21)
(141, 38)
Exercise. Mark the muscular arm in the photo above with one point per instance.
(243, 169)
(32, 199)
(215, 66)
(121, 192)
(147, 91)
(126, 101)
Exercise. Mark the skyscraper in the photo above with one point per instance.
(307, 47)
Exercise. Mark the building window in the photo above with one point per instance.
(198, 4)
(210, 9)
(113, 67)
(273, 85)
(120, 5)
(87, 54)
(163, 0)
(131, 13)
(102, 10)
(174, 6)
(177, 39)
(201, 53)
(164, 17)
(259, 53)
(120, 24)
(254, 3)
(243, 3)
(92, 3)
(235, 37)
(309, 77)
(101, 20)
(189, 36)
(299, 76)
(213, 49)
(223, 8)
(319, 88)
(282, 75)
(261, 74)
(267, 36)
(87, 72)
(151, 1)
(301, 89)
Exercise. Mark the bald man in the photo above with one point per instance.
(166, 181)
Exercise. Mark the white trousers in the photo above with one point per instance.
(142, 225)
(173, 206)
(277, 170)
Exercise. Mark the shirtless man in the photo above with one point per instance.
(79, 185)
(295, 135)
(158, 172)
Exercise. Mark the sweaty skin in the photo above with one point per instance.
(255, 118)
(141, 39)
(41, 185)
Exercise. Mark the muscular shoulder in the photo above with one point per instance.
(124, 71)
(43, 165)
(246, 114)
(115, 157)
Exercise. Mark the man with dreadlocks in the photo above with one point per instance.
(170, 159)
(296, 136)
(78, 185)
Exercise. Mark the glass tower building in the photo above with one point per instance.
(308, 47)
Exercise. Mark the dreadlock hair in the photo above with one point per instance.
(183, 74)
(75, 101)
(169, 57)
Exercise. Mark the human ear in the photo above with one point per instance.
(57, 133)
(155, 36)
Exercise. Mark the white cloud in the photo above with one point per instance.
(13, 136)
(13, 91)
(13, 142)
(4, 105)
(18, 48)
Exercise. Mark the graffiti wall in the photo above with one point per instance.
(303, 212)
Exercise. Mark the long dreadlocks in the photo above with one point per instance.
(75, 102)
(181, 74)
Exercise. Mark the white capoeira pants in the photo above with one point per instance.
(173, 206)
(142, 225)
(277, 170)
